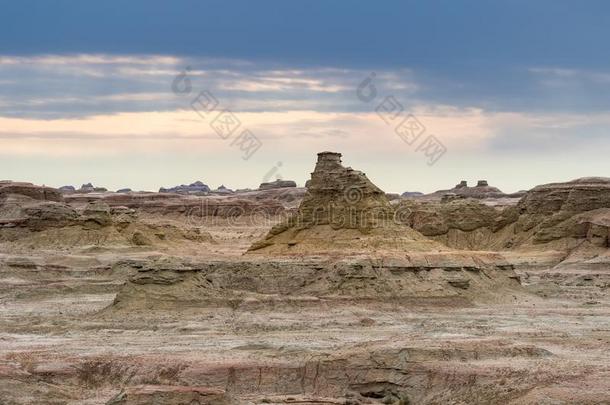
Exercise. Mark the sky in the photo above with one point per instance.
(418, 95)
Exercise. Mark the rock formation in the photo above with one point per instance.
(41, 193)
(481, 191)
(90, 188)
(577, 210)
(564, 215)
(342, 210)
(171, 395)
(114, 298)
(408, 194)
(67, 189)
(197, 188)
(38, 216)
(222, 190)
(459, 223)
(86, 188)
(576, 196)
(277, 184)
(172, 204)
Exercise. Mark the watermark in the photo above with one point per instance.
(222, 121)
(353, 195)
(406, 126)
(274, 172)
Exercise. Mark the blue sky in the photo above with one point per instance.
(517, 91)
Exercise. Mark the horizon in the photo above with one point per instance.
(213, 187)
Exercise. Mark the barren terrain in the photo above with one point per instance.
(157, 298)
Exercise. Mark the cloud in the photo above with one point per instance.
(553, 74)
(177, 131)
(279, 84)
(89, 59)
(65, 86)
(103, 105)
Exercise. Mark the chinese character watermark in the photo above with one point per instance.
(406, 126)
(223, 121)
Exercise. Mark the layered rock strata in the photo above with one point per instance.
(277, 184)
(342, 211)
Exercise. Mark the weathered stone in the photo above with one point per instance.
(67, 189)
(170, 395)
(579, 195)
(277, 184)
(222, 190)
(481, 191)
(139, 239)
(342, 210)
(412, 194)
(98, 213)
(86, 188)
(563, 214)
(194, 188)
(123, 215)
(41, 193)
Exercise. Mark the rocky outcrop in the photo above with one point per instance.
(170, 395)
(341, 197)
(277, 184)
(576, 196)
(86, 188)
(27, 222)
(434, 219)
(90, 188)
(461, 190)
(480, 191)
(35, 215)
(222, 190)
(97, 213)
(40, 193)
(170, 283)
(196, 188)
(124, 190)
(67, 189)
(460, 223)
(578, 209)
(172, 204)
(562, 215)
(408, 194)
(342, 211)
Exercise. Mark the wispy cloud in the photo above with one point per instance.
(89, 59)
(62, 86)
(161, 132)
(558, 76)
(73, 105)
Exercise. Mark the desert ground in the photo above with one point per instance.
(332, 293)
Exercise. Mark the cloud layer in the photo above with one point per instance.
(102, 106)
